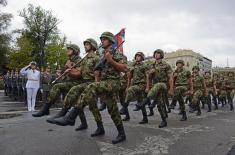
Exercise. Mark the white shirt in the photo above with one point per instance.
(32, 76)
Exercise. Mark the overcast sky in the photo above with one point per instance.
(205, 26)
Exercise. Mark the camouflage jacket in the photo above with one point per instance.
(87, 66)
(161, 71)
(181, 77)
(209, 82)
(46, 81)
(74, 59)
(230, 82)
(138, 71)
(109, 72)
(198, 81)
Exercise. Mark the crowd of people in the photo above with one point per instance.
(109, 78)
(18, 82)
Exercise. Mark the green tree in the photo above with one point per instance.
(21, 55)
(5, 20)
(55, 52)
(41, 26)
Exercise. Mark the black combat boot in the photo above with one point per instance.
(184, 116)
(209, 107)
(215, 103)
(102, 107)
(145, 117)
(163, 123)
(83, 124)
(121, 135)
(231, 104)
(122, 111)
(169, 109)
(199, 111)
(68, 119)
(61, 113)
(44, 111)
(180, 113)
(143, 104)
(216, 106)
(192, 109)
(173, 104)
(127, 115)
(151, 112)
(99, 131)
(152, 105)
(136, 107)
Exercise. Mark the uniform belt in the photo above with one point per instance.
(32, 80)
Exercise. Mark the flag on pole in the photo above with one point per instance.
(119, 40)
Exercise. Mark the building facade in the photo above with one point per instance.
(190, 58)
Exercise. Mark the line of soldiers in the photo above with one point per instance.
(109, 78)
(15, 84)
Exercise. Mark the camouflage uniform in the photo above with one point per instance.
(122, 91)
(64, 86)
(68, 82)
(181, 87)
(46, 79)
(108, 86)
(137, 86)
(210, 84)
(222, 90)
(198, 87)
(87, 76)
(230, 89)
(158, 92)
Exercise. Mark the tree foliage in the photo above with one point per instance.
(41, 26)
(5, 19)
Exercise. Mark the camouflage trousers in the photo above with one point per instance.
(135, 92)
(179, 94)
(211, 92)
(59, 88)
(73, 94)
(158, 93)
(196, 97)
(45, 95)
(122, 93)
(230, 95)
(108, 88)
(222, 94)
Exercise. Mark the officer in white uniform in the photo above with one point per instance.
(32, 85)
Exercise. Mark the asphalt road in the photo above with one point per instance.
(210, 134)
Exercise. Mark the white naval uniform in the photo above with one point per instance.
(32, 85)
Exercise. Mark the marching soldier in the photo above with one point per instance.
(199, 87)
(108, 85)
(222, 90)
(211, 87)
(46, 78)
(69, 81)
(230, 87)
(215, 78)
(182, 85)
(136, 86)
(161, 75)
(86, 76)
